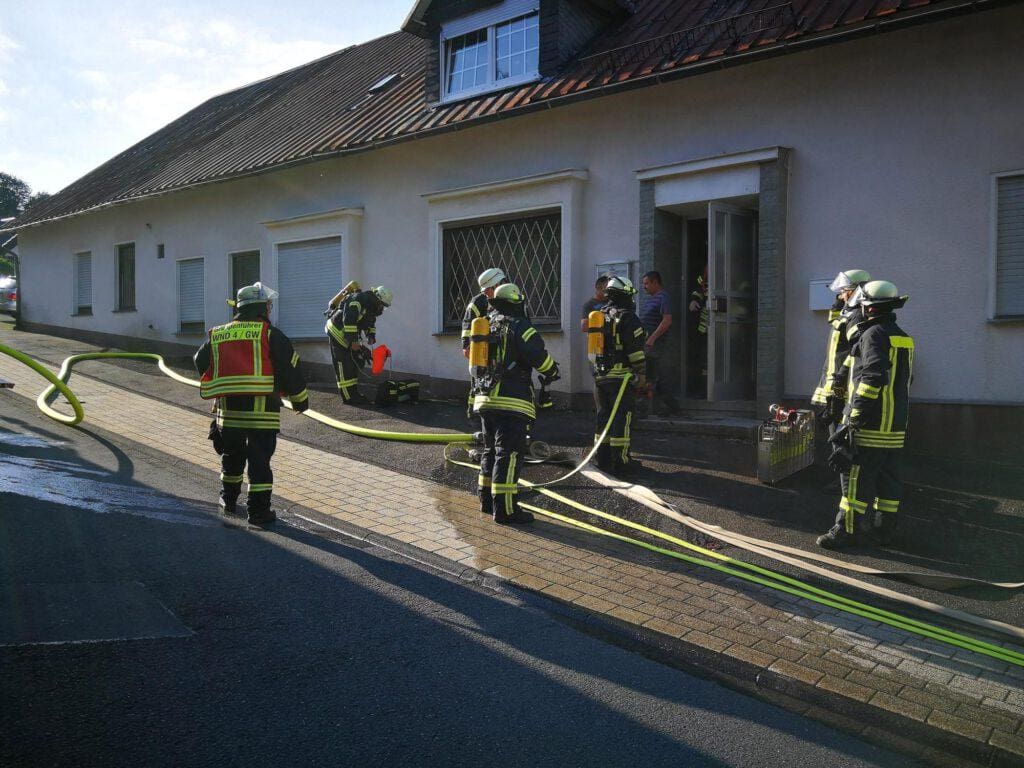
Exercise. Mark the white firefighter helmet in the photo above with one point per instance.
(508, 292)
(877, 296)
(491, 278)
(384, 295)
(619, 284)
(257, 293)
(848, 280)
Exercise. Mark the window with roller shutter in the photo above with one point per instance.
(1009, 256)
(83, 283)
(308, 276)
(191, 297)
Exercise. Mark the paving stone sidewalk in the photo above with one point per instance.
(933, 701)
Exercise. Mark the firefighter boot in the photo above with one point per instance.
(260, 513)
(228, 501)
(837, 538)
(517, 516)
(885, 529)
(486, 502)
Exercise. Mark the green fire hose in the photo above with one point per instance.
(58, 384)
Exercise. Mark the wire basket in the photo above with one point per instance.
(785, 447)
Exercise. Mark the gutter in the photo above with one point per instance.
(895, 22)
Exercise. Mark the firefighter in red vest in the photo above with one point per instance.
(247, 365)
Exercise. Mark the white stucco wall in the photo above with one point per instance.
(894, 139)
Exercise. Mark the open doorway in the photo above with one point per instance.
(718, 312)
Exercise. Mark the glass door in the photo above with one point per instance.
(732, 302)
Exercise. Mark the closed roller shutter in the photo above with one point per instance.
(1010, 247)
(191, 312)
(309, 273)
(83, 283)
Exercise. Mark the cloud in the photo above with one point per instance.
(7, 46)
(4, 90)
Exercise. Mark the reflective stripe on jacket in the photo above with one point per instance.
(882, 370)
(240, 362)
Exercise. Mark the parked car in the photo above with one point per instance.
(8, 295)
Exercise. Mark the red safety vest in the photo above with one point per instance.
(240, 361)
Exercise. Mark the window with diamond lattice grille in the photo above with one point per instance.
(528, 250)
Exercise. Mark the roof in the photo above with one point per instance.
(325, 108)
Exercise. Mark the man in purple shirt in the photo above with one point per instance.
(656, 318)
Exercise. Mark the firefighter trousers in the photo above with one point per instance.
(505, 439)
(252, 447)
(613, 453)
(346, 370)
(872, 490)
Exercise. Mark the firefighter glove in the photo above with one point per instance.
(216, 437)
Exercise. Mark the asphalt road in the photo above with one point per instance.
(140, 631)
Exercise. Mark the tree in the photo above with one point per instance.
(14, 193)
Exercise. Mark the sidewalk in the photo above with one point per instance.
(926, 699)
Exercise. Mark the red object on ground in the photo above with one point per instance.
(380, 354)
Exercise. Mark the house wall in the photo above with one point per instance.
(893, 139)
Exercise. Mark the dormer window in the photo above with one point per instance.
(490, 50)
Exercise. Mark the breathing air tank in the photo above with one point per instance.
(595, 335)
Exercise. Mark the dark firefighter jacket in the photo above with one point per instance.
(834, 373)
(624, 339)
(477, 307)
(260, 411)
(516, 348)
(881, 370)
(357, 315)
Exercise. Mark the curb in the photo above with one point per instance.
(873, 724)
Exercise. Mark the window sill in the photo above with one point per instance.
(1012, 320)
(546, 330)
(487, 90)
(123, 311)
(82, 314)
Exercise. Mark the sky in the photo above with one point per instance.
(82, 81)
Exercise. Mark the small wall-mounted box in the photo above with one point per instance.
(819, 297)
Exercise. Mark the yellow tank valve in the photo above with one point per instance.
(595, 335)
(351, 287)
(480, 334)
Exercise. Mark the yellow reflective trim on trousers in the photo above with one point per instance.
(866, 390)
(887, 505)
(851, 496)
(598, 437)
(635, 357)
(230, 479)
(499, 488)
(529, 333)
(483, 481)
(301, 397)
(514, 404)
(260, 487)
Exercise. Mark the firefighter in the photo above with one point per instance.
(829, 396)
(246, 365)
(868, 448)
(504, 400)
(477, 307)
(355, 319)
(622, 357)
